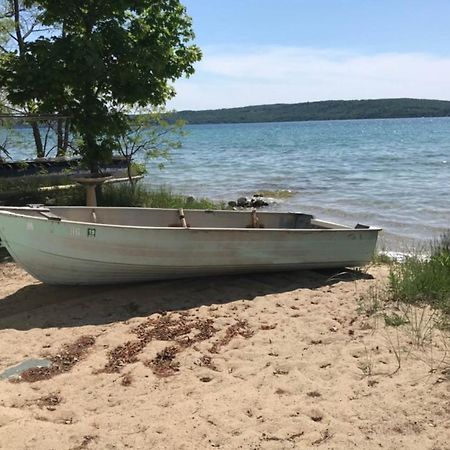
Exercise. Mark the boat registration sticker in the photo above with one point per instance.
(91, 232)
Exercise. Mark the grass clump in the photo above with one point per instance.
(422, 280)
(395, 320)
(115, 195)
(21, 191)
(413, 309)
(382, 258)
(141, 196)
(372, 302)
(26, 195)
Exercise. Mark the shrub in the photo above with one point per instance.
(117, 195)
(424, 280)
(142, 196)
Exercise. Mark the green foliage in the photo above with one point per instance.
(324, 110)
(382, 258)
(137, 168)
(372, 302)
(149, 137)
(115, 195)
(420, 280)
(141, 196)
(25, 190)
(109, 56)
(74, 196)
(6, 25)
(394, 320)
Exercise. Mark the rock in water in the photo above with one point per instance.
(243, 201)
(258, 203)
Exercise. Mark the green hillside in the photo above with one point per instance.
(325, 110)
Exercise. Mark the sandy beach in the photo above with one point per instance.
(273, 361)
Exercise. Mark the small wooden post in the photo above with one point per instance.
(254, 219)
(182, 218)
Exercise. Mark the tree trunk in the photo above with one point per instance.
(59, 138)
(130, 174)
(17, 28)
(91, 155)
(65, 143)
(40, 153)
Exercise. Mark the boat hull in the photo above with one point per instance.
(74, 253)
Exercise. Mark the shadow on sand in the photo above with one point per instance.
(43, 306)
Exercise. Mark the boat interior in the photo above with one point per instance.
(152, 217)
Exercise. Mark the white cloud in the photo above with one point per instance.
(259, 75)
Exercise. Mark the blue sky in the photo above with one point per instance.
(287, 51)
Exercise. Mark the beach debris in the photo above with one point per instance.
(205, 379)
(49, 401)
(164, 364)
(182, 331)
(162, 328)
(122, 355)
(295, 436)
(206, 330)
(179, 329)
(314, 394)
(280, 371)
(325, 365)
(280, 391)
(127, 379)
(266, 437)
(87, 439)
(206, 361)
(316, 416)
(69, 355)
(266, 326)
(240, 328)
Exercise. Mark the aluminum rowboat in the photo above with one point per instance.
(84, 245)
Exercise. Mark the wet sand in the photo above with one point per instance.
(273, 361)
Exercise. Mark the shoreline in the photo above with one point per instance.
(263, 361)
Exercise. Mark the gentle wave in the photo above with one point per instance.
(388, 173)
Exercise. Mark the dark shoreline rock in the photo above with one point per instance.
(257, 201)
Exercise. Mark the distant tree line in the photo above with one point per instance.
(324, 110)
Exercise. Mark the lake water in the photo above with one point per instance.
(391, 173)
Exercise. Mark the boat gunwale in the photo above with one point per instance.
(343, 228)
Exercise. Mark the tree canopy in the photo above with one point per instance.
(107, 57)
